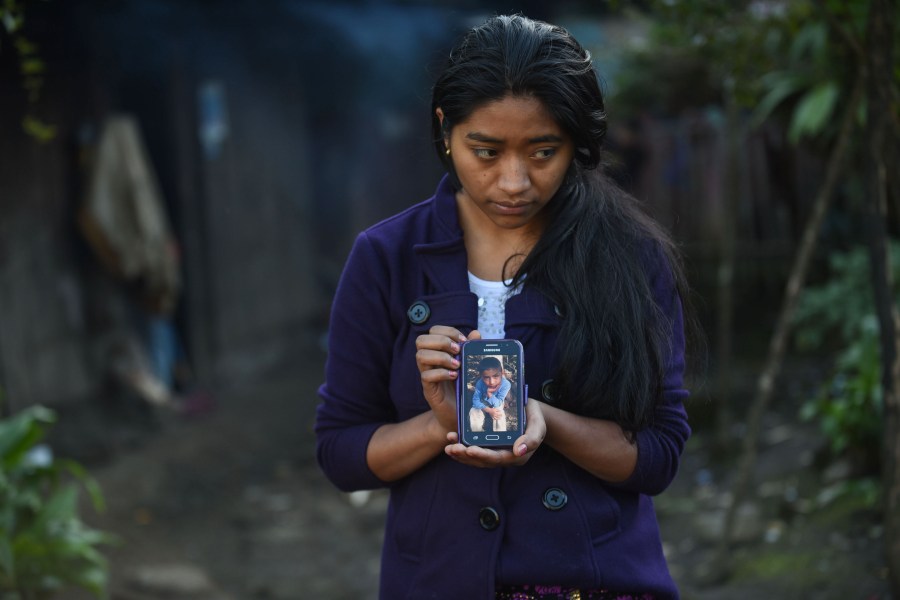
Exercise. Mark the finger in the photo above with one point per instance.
(429, 359)
(535, 431)
(438, 342)
(525, 445)
(477, 456)
(534, 413)
(461, 452)
(437, 376)
(475, 335)
(450, 332)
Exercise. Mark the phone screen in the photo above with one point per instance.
(491, 401)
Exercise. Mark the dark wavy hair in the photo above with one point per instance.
(489, 362)
(594, 256)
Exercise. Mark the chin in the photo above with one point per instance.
(513, 223)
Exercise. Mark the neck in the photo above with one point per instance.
(490, 248)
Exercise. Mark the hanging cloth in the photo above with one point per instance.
(124, 220)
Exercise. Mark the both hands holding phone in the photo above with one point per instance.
(476, 392)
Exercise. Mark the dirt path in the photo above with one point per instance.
(231, 506)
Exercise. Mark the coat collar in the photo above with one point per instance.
(445, 263)
(444, 259)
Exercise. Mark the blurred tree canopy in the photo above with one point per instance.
(796, 59)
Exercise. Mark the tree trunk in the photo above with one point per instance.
(725, 279)
(778, 344)
(879, 71)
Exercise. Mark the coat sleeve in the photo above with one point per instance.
(660, 445)
(355, 398)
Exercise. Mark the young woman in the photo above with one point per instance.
(592, 290)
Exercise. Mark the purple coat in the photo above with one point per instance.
(455, 531)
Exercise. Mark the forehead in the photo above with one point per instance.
(490, 372)
(519, 116)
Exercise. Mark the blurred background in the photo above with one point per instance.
(181, 181)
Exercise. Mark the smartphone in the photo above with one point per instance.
(491, 393)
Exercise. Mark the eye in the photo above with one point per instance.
(545, 153)
(484, 152)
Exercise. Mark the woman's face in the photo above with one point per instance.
(511, 157)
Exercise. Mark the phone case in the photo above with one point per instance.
(477, 427)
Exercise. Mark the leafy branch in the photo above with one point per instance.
(44, 545)
(32, 68)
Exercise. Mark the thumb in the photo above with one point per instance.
(474, 335)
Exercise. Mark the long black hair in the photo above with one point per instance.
(595, 256)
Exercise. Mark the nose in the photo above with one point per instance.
(514, 177)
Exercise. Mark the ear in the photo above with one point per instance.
(439, 113)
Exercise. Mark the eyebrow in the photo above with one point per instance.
(541, 139)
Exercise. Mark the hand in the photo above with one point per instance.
(495, 412)
(436, 354)
(521, 451)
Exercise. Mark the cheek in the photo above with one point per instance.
(469, 172)
(553, 182)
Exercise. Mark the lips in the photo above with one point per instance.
(511, 209)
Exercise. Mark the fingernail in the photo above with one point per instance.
(454, 347)
(523, 449)
(454, 362)
(462, 338)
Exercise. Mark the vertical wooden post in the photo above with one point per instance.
(725, 275)
(879, 74)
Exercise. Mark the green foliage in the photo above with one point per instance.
(44, 546)
(814, 110)
(11, 16)
(38, 129)
(840, 314)
(32, 67)
(846, 498)
(816, 69)
(793, 60)
(727, 47)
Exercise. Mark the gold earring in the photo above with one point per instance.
(447, 152)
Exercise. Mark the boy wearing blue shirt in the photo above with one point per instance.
(490, 394)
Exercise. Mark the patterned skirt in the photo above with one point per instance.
(556, 592)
